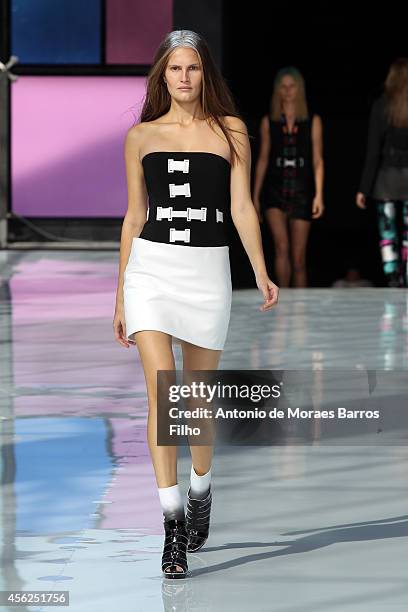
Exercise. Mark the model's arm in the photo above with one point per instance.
(318, 165)
(372, 152)
(244, 215)
(133, 222)
(374, 142)
(263, 158)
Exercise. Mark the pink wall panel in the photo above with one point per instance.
(67, 137)
(135, 29)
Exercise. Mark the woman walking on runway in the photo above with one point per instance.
(385, 174)
(288, 185)
(190, 156)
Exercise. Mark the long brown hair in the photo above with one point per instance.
(216, 99)
(301, 109)
(396, 91)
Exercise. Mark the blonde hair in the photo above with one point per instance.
(301, 107)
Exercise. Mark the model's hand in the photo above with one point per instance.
(269, 290)
(119, 326)
(257, 206)
(361, 200)
(317, 207)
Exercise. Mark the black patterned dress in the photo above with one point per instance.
(289, 179)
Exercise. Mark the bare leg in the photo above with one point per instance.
(277, 221)
(155, 350)
(198, 358)
(299, 232)
(156, 353)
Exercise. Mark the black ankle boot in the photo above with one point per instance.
(198, 521)
(175, 548)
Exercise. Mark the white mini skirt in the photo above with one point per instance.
(184, 291)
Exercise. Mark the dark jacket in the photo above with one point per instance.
(387, 146)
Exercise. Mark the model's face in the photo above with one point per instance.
(183, 75)
(288, 89)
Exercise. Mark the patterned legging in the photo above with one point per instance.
(394, 263)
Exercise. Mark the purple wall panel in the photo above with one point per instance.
(67, 137)
(135, 29)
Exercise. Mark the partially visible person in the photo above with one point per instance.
(288, 186)
(385, 174)
(352, 279)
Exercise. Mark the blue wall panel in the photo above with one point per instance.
(56, 31)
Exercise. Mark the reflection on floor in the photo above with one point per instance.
(295, 527)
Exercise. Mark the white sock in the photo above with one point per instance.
(199, 485)
(171, 502)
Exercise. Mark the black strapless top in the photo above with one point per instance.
(189, 198)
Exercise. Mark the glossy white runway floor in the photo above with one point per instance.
(294, 528)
